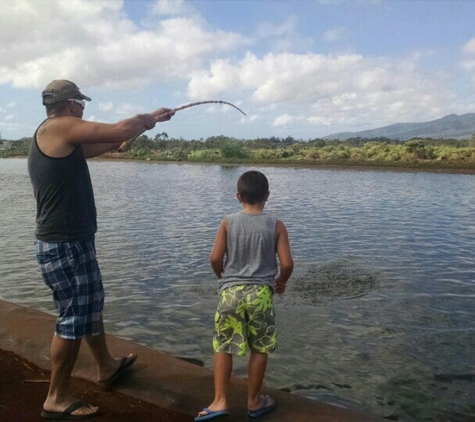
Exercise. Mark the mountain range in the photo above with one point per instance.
(452, 126)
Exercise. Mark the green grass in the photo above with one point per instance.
(426, 154)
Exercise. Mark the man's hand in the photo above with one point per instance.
(148, 122)
(163, 114)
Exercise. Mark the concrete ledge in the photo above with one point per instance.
(157, 377)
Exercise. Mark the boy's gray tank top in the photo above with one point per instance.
(251, 250)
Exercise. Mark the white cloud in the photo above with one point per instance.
(468, 64)
(93, 42)
(249, 118)
(331, 2)
(126, 109)
(319, 120)
(282, 79)
(347, 90)
(334, 34)
(340, 2)
(280, 37)
(279, 77)
(283, 120)
(169, 7)
(469, 48)
(269, 30)
(106, 106)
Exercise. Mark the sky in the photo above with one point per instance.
(300, 68)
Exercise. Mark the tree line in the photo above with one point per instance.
(358, 151)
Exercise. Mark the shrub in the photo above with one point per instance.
(203, 155)
(233, 149)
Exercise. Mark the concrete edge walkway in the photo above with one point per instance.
(158, 378)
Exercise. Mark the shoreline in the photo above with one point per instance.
(157, 378)
(22, 378)
(409, 168)
(403, 168)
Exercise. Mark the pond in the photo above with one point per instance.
(378, 315)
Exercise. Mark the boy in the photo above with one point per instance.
(244, 259)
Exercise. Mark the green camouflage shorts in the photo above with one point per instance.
(245, 319)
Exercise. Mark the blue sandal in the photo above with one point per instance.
(211, 415)
(265, 408)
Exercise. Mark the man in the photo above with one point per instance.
(66, 226)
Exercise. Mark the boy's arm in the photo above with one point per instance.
(285, 257)
(219, 250)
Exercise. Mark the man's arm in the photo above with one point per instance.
(285, 257)
(78, 131)
(58, 137)
(94, 150)
(220, 248)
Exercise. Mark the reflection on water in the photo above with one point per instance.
(379, 314)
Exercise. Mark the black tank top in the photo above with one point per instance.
(66, 211)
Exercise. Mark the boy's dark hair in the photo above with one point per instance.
(253, 187)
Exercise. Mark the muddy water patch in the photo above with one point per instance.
(341, 279)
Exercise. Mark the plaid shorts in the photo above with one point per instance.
(71, 271)
(245, 319)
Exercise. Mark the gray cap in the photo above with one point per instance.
(60, 90)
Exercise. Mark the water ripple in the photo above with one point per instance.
(378, 315)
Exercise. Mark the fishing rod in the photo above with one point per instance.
(126, 144)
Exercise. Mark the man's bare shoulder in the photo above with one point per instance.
(58, 124)
(52, 136)
(72, 130)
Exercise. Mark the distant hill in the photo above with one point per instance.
(451, 126)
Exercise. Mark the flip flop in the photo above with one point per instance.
(66, 413)
(265, 408)
(211, 415)
(124, 365)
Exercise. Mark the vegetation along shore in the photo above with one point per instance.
(423, 153)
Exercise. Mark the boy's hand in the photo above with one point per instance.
(280, 286)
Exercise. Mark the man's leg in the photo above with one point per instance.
(59, 276)
(256, 372)
(106, 364)
(63, 357)
(223, 366)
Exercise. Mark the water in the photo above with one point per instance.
(378, 315)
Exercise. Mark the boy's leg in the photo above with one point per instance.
(262, 339)
(223, 366)
(63, 357)
(256, 371)
(228, 339)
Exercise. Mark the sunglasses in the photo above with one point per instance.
(82, 103)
